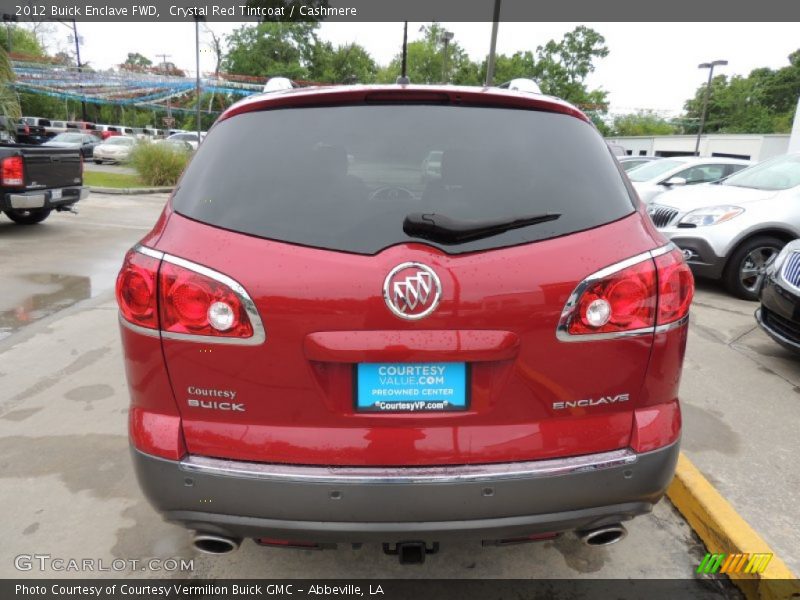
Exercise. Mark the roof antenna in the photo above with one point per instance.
(403, 79)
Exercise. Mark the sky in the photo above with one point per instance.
(649, 66)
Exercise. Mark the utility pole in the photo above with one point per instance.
(710, 66)
(493, 45)
(164, 58)
(80, 67)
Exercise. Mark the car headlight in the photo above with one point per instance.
(711, 215)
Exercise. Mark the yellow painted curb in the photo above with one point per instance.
(722, 529)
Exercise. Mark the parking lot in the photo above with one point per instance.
(69, 490)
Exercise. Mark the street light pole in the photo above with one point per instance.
(446, 37)
(197, 65)
(710, 66)
(80, 67)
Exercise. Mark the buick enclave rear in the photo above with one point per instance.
(326, 345)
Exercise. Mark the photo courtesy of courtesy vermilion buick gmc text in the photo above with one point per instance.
(325, 344)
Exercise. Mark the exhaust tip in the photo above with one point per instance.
(208, 543)
(604, 536)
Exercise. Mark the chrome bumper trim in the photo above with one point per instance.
(405, 475)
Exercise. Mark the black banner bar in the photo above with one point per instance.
(405, 10)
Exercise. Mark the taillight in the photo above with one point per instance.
(137, 290)
(632, 297)
(12, 169)
(193, 303)
(675, 287)
(184, 300)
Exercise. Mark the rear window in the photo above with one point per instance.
(345, 177)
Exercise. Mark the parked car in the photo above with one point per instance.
(432, 166)
(115, 149)
(395, 361)
(85, 142)
(8, 130)
(55, 128)
(779, 294)
(189, 137)
(631, 162)
(657, 177)
(179, 145)
(35, 180)
(730, 229)
(107, 131)
(32, 130)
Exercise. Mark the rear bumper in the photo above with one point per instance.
(317, 504)
(42, 198)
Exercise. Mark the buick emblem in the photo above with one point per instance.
(412, 290)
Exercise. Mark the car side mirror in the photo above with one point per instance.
(674, 181)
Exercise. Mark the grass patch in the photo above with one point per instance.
(111, 180)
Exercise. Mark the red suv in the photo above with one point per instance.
(324, 344)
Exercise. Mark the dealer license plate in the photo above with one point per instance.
(411, 387)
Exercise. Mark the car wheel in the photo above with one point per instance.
(28, 217)
(745, 264)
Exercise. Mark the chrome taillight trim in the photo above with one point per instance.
(562, 331)
(405, 475)
(259, 334)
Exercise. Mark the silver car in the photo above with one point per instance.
(657, 177)
(730, 229)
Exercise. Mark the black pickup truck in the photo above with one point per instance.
(35, 180)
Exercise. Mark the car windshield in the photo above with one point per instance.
(346, 177)
(119, 141)
(780, 173)
(72, 138)
(653, 169)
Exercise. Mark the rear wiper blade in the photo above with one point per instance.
(445, 230)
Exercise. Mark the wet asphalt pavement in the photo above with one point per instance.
(68, 489)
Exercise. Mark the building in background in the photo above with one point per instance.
(749, 146)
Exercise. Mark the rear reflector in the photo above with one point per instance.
(178, 299)
(633, 297)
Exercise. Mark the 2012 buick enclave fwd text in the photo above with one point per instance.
(324, 345)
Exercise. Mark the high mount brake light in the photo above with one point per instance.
(636, 296)
(178, 299)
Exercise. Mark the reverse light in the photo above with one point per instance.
(629, 298)
(12, 171)
(178, 299)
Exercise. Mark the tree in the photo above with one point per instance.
(643, 122)
(9, 104)
(271, 49)
(762, 102)
(561, 67)
(137, 61)
(349, 63)
(426, 61)
(216, 47)
(21, 42)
